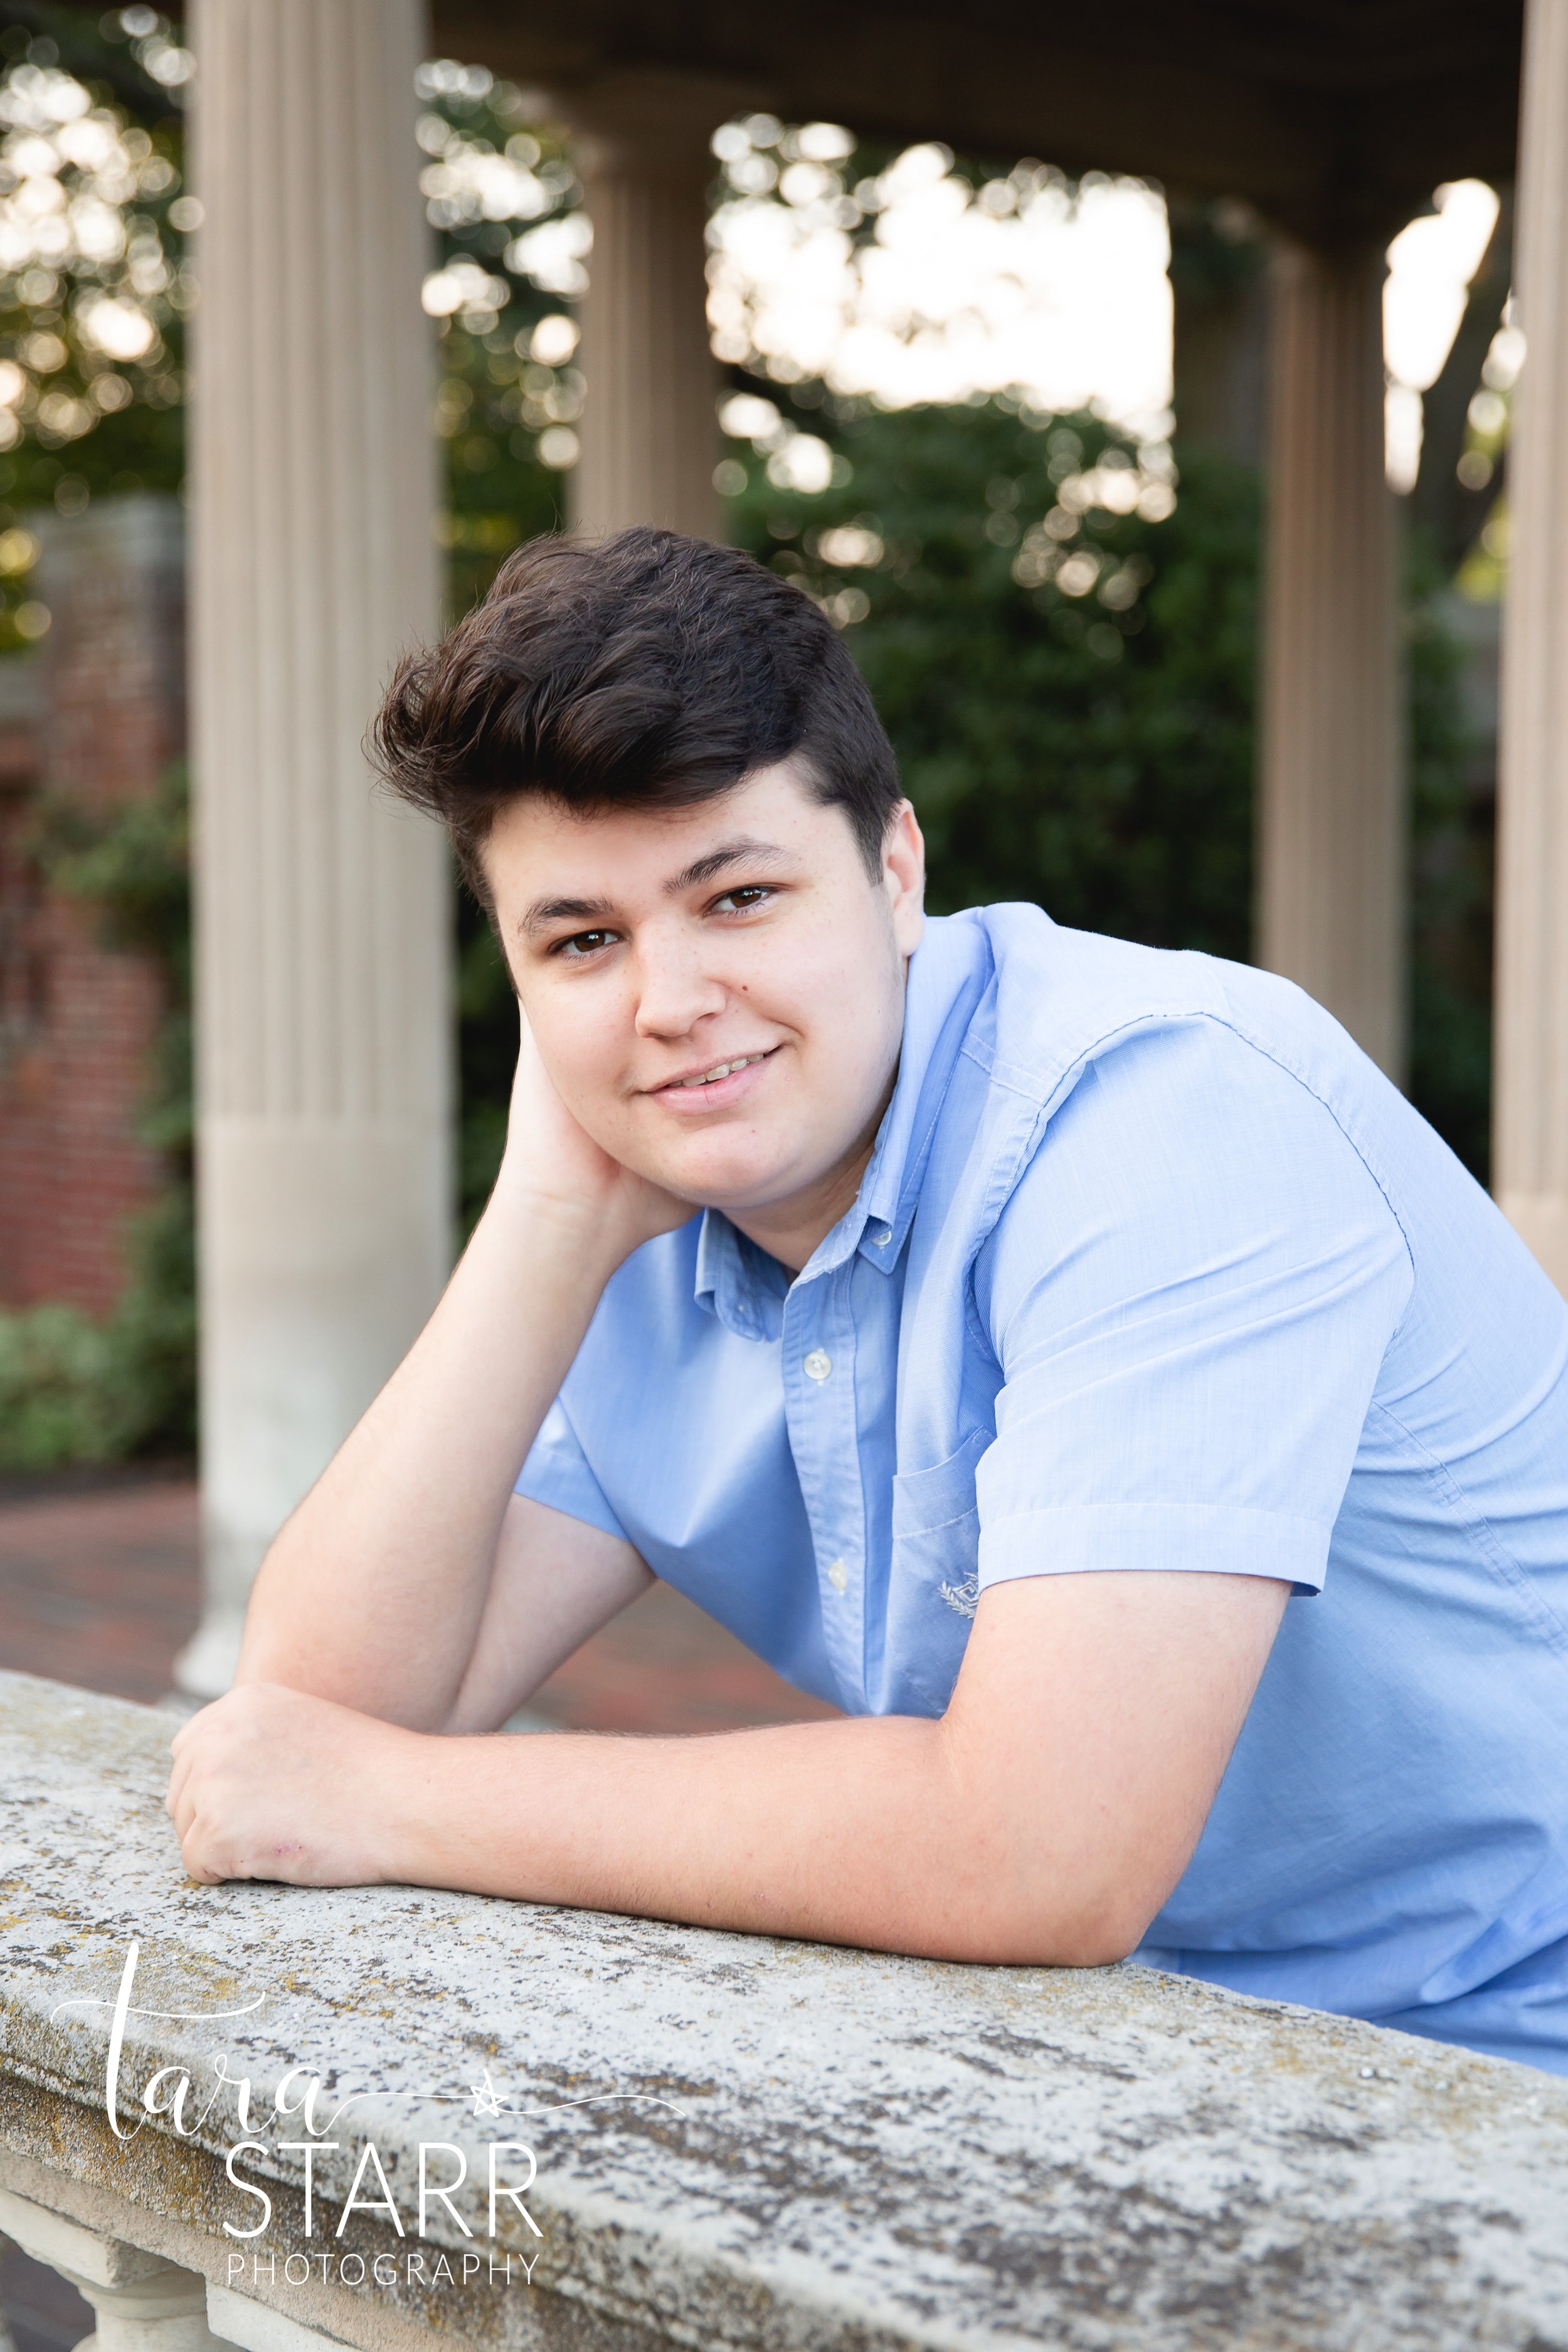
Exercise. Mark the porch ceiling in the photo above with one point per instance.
(1335, 118)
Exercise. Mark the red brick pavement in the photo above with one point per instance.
(100, 1587)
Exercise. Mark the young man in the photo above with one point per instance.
(1076, 1361)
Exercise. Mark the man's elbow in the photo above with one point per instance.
(1056, 1915)
(1062, 1934)
(1097, 1936)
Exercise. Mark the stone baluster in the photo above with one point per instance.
(142, 2302)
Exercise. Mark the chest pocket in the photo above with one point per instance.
(933, 1589)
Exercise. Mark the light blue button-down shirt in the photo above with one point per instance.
(1152, 1269)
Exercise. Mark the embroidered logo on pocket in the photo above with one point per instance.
(963, 1597)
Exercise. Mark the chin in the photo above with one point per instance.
(719, 1179)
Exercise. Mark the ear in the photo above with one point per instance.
(904, 878)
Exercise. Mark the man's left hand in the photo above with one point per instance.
(271, 1783)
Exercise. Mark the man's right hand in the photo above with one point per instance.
(552, 1162)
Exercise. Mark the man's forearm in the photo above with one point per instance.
(1044, 1816)
(866, 1831)
(372, 1593)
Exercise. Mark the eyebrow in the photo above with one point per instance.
(729, 853)
(544, 912)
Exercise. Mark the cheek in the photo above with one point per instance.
(855, 1000)
(829, 976)
(579, 1042)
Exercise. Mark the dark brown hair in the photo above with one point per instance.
(647, 670)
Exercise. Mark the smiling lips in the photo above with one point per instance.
(710, 1083)
(720, 1070)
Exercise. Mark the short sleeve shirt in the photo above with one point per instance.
(1153, 1269)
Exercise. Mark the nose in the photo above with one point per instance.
(674, 989)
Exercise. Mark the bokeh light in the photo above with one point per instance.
(91, 281)
(912, 285)
(1430, 264)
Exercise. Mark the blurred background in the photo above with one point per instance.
(1004, 415)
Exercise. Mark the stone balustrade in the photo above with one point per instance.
(694, 2138)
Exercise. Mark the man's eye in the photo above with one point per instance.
(583, 944)
(748, 894)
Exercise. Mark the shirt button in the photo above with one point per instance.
(884, 1237)
(838, 1576)
(818, 1364)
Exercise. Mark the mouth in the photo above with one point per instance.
(714, 1089)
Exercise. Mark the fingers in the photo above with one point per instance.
(191, 1748)
(213, 1782)
(205, 1855)
(196, 1866)
(183, 1811)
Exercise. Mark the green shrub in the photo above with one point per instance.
(73, 1389)
(55, 1390)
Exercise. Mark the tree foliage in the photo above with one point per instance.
(94, 283)
(503, 200)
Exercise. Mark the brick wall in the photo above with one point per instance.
(98, 714)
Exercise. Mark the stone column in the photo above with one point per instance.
(322, 913)
(1530, 1058)
(648, 433)
(1331, 834)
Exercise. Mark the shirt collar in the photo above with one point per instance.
(948, 974)
(738, 1282)
(745, 1288)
